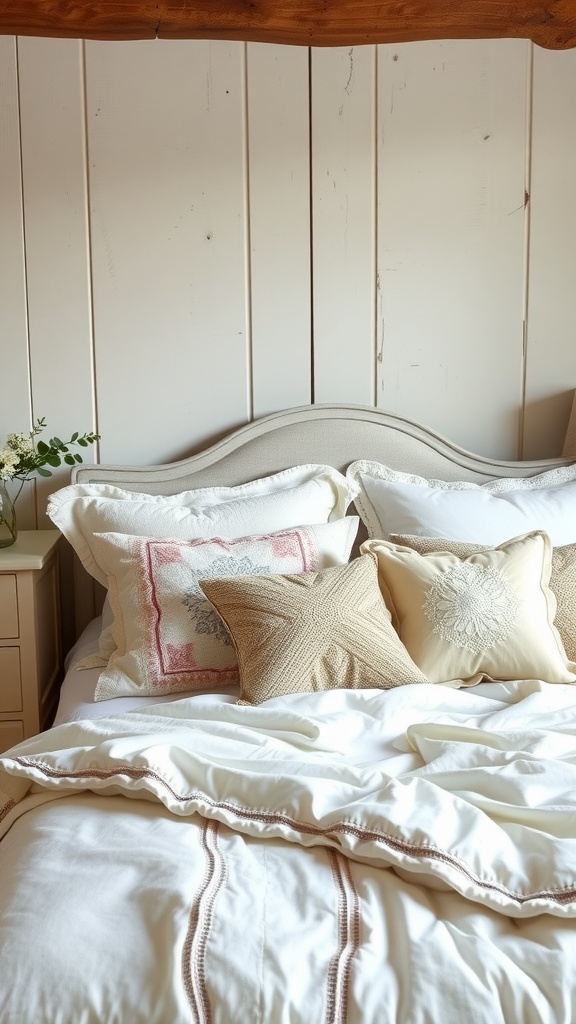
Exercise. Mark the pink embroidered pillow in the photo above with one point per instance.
(168, 636)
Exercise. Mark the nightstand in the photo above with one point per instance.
(30, 642)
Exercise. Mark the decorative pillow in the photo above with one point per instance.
(299, 496)
(489, 614)
(317, 631)
(391, 502)
(562, 579)
(168, 636)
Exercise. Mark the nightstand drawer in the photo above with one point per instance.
(10, 683)
(10, 734)
(8, 607)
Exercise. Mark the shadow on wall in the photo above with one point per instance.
(550, 427)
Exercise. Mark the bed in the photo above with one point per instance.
(328, 819)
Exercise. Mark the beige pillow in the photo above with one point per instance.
(562, 578)
(314, 631)
(488, 614)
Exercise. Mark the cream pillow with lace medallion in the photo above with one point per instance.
(490, 614)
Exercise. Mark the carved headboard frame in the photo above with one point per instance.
(549, 23)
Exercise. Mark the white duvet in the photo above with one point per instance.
(355, 857)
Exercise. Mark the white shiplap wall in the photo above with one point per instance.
(196, 233)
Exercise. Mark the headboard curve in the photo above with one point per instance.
(333, 434)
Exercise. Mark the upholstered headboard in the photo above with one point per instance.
(300, 22)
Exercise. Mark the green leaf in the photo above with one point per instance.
(78, 457)
(74, 437)
(83, 442)
(43, 472)
(42, 448)
(69, 460)
(53, 460)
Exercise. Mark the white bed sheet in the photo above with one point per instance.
(77, 693)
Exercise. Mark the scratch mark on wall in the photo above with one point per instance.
(380, 356)
(349, 83)
(522, 205)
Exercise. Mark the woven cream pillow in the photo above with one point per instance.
(489, 614)
(315, 631)
(562, 578)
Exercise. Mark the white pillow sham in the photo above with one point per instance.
(168, 636)
(301, 495)
(390, 502)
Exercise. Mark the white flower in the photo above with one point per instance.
(20, 444)
(21, 456)
(8, 463)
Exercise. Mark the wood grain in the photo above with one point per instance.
(551, 24)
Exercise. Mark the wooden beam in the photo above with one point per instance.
(549, 23)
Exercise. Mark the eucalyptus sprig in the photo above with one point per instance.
(22, 455)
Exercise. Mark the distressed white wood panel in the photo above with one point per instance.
(451, 227)
(551, 333)
(343, 231)
(279, 212)
(167, 185)
(55, 208)
(15, 404)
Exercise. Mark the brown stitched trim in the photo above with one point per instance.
(199, 925)
(353, 931)
(7, 808)
(338, 975)
(562, 896)
(332, 972)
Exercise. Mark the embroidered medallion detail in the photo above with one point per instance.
(201, 611)
(472, 607)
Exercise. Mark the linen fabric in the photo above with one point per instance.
(299, 496)
(562, 579)
(390, 502)
(238, 848)
(489, 614)
(168, 637)
(315, 631)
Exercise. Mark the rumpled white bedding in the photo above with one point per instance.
(356, 856)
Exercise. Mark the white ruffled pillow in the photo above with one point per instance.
(301, 495)
(298, 496)
(390, 502)
(168, 636)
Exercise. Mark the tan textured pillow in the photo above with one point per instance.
(489, 614)
(562, 578)
(312, 631)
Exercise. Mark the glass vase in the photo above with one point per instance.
(8, 528)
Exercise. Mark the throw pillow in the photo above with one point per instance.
(489, 615)
(316, 631)
(562, 579)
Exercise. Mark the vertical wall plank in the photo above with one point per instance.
(279, 211)
(343, 235)
(57, 258)
(168, 232)
(451, 237)
(15, 403)
(551, 334)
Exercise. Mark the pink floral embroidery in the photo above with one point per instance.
(185, 636)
